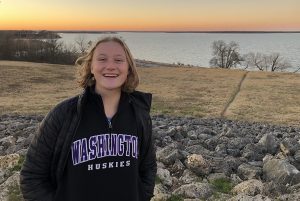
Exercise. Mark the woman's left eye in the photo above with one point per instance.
(119, 60)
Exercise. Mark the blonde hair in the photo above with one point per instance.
(85, 77)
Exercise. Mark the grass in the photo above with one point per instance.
(19, 165)
(222, 185)
(189, 91)
(33, 88)
(271, 97)
(175, 198)
(157, 180)
(14, 193)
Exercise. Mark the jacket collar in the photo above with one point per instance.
(138, 98)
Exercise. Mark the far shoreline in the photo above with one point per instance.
(137, 31)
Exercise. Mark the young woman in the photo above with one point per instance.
(98, 145)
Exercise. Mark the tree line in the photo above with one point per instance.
(226, 55)
(35, 47)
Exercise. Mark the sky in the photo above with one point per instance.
(151, 15)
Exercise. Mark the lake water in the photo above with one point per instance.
(195, 48)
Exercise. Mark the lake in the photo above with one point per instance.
(195, 48)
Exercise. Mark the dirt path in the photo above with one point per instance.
(234, 95)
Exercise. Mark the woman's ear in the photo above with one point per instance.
(92, 70)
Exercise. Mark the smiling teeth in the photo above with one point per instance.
(110, 75)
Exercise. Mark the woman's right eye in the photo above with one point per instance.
(101, 59)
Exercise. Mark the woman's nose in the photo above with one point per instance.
(110, 65)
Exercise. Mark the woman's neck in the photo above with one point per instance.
(111, 99)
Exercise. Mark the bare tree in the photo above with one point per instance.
(225, 55)
(297, 69)
(82, 43)
(272, 62)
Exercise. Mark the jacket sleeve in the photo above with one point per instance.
(148, 166)
(35, 175)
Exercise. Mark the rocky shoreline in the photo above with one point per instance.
(198, 159)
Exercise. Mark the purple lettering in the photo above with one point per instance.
(75, 152)
(121, 145)
(113, 144)
(108, 145)
(84, 152)
(134, 146)
(127, 140)
(101, 146)
(92, 147)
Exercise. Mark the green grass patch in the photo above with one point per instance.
(14, 193)
(19, 165)
(157, 180)
(175, 198)
(222, 185)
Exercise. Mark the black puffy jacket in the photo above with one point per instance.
(47, 155)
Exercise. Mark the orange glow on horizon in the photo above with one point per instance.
(140, 15)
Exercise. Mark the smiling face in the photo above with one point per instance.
(109, 66)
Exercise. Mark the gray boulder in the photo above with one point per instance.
(280, 171)
(194, 190)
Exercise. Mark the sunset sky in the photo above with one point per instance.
(151, 15)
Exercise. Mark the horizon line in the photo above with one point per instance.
(156, 31)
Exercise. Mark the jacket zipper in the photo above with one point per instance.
(109, 125)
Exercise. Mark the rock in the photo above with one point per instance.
(177, 168)
(8, 141)
(289, 197)
(160, 193)
(198, 164)
(289, 146)
(9, 161)
(270, 143)
(254, 152)
(164, 176)
(221, 149)
(280, 171)
(297, 156)
(194, 190)
(4, 187)
(188, 177)
(247, 171)
(274, 189)
(197, 149)
(235, 179)
(209, 131)
(2, 127)
(229, 149)
(168, 155)
(250, 187)
(243, 197)
(193, 135)
(161, 197)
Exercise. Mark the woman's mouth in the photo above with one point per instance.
(110, 75)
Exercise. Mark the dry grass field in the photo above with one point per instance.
(33, 88)
(271, 97)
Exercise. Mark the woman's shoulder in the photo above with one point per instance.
(141, 99)
(67, 105)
